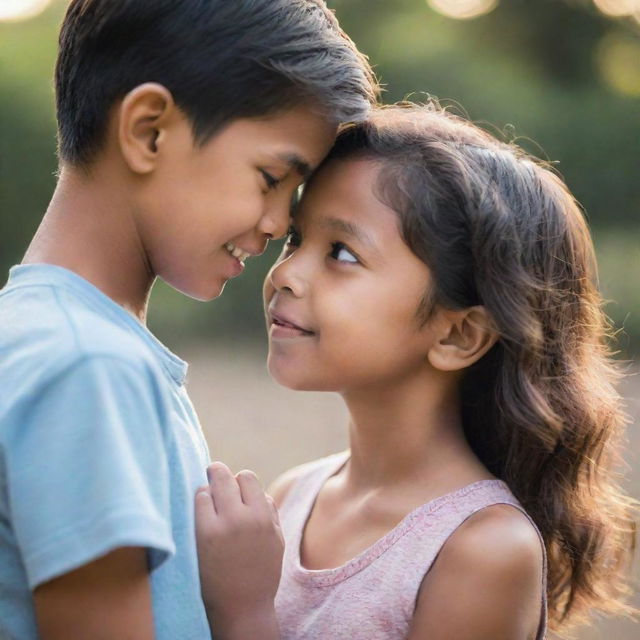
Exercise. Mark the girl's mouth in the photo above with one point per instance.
(283, 327)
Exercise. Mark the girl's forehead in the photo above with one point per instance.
(343, 183)
(344, 201)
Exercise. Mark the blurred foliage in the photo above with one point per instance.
(539, 71)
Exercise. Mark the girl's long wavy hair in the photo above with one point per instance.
(500, 229)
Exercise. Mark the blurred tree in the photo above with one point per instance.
(530, 64)
(27, 162)
(540, 67)
(555, 36)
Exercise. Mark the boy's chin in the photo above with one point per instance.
(201, 291)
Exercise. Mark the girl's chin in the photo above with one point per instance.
(285, 381)
(289, 380)
(285, 378)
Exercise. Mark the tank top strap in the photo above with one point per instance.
(377, 589)
(300, 498)
(439, 520)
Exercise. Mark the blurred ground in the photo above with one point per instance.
(251, 422)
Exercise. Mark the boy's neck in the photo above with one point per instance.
(89, 229)
(409, 434)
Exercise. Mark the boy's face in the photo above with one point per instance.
(342, 300)
(205, 208)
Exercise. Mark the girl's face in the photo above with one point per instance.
(342, 299)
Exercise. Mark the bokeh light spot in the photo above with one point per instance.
(463, 9)
(618, 8)
(618, 59)
(15, 10)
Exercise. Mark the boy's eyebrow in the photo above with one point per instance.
(296, 162)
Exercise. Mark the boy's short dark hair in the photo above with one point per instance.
(221, 60)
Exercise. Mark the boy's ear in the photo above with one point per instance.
(462, 338)
(144, 114)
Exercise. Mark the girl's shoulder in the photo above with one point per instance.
(280, 487)
(497, 538)
(488, 578)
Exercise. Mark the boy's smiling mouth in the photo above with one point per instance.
(236, 252)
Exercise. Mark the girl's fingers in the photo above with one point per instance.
(251, 489)
(274, 510)
(223, 487)
(205, 511)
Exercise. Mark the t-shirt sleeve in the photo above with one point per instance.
(87, 468)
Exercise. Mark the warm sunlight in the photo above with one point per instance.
(15, 10)
(618, 8)
(463, 9)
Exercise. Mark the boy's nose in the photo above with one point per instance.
(275, 220)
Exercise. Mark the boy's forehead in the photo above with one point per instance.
(292, 141)
(303, 137)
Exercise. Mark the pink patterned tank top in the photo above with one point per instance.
(373, 596)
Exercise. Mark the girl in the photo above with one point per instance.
(444, 284)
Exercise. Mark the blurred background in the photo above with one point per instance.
(562, 77)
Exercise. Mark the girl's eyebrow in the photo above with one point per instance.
(351, 229)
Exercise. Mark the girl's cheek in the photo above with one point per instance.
(267, 290)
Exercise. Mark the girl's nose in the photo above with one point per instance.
(286, 276)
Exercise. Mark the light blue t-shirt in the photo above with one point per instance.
(100, 448)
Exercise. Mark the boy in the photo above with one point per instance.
(184, 130)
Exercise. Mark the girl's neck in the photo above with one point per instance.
(409, 434)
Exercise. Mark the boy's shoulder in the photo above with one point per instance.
(48, 327)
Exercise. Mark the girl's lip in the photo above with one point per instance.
(282, 332)
(284, 326)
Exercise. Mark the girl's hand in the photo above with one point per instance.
(240, 548)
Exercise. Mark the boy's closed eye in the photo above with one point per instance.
(271, 182)
(292, 165)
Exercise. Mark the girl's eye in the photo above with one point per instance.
(293, 237)
(293, 240)
(341, 253)
(270, 181)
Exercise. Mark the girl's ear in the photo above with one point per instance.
(144, 114)
(462, 338)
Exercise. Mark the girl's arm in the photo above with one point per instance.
(486, 583)
(240, 549)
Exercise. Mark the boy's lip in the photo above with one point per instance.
(286, 321)
(236, 267)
